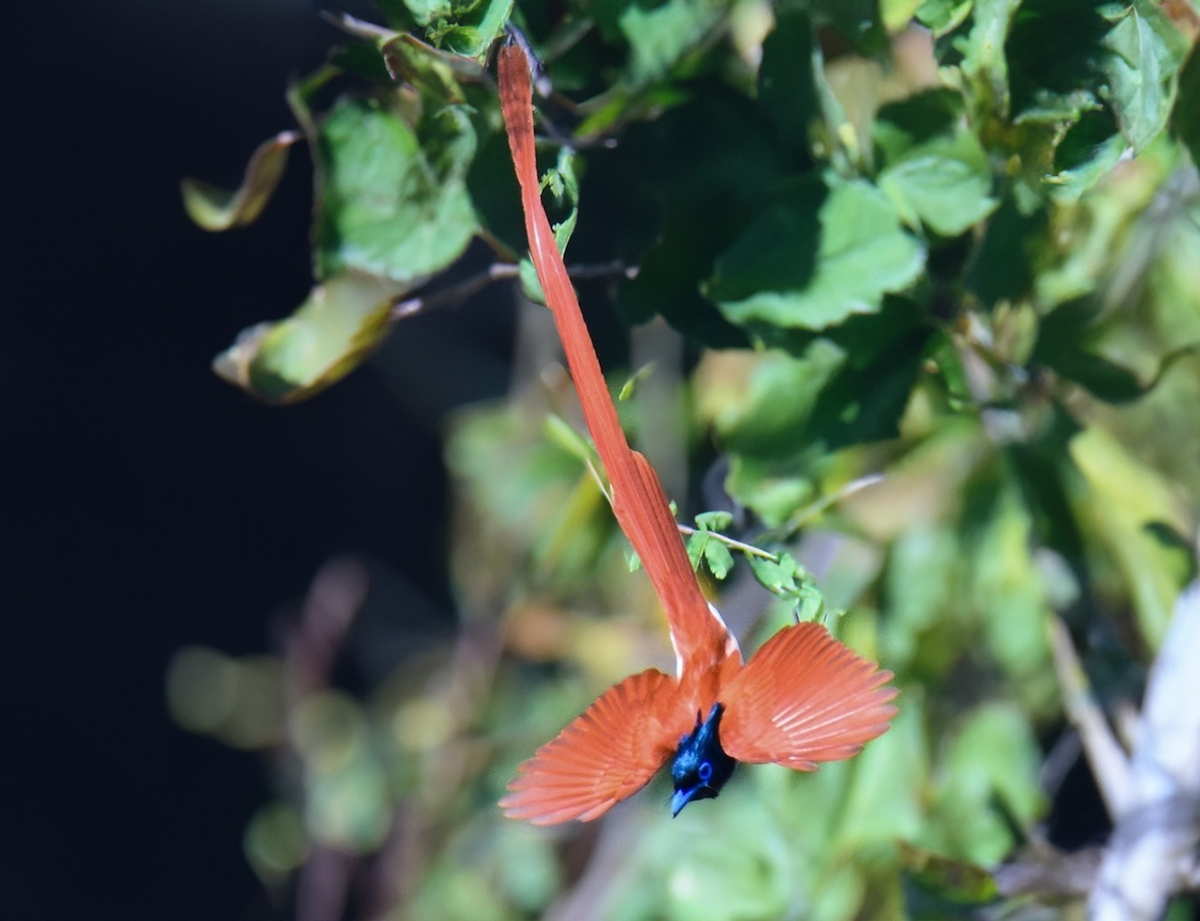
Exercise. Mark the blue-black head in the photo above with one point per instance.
(701, 766)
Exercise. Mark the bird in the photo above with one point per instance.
(802, 699)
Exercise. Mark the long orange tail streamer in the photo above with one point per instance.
(638, 500)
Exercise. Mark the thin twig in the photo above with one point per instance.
(1109, 764)
(748, 549)
(497, 271)
(804, 516)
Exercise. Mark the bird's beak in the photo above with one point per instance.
(680, 799)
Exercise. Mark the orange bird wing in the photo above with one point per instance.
(804, 698)
(608, 753)
(638, 502)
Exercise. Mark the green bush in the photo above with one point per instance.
(936, 266)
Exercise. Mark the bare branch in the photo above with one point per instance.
(1151, 854)
(497, 271)
(1109, 765)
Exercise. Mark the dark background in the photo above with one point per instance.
(147, 505)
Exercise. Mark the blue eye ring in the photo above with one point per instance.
(705, 771)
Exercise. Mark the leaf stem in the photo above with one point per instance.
(748, 549)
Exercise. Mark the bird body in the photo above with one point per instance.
(802, 699)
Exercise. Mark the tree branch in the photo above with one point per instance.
(1150, 856)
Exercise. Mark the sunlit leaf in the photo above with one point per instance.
(329, 335)
(815, 257)
(394, 201)
(935, 170)
(215, 208)
(660, 35)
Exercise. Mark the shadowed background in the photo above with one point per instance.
(147, 505)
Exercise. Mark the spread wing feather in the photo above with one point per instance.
(608, 753)
(804, 698)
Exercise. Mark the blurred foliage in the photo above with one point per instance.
(938, 265)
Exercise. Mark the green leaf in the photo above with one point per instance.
(983, 54)
(276, 843)
(944, 16)
(816, 257)
(329, 335)
(394, 201)
(897, 15)
(771, 419)
(214, 208)
(713, 521)
(704, 877)
(922, 585)
(718, 558)
(686, 185)
(774, 490)
(426, 11)
(473, 28)
(563, 186)
(629, 388)
(566, 436)
(660, 35)
(1147, 51)
(1002, 267)
(1086, 154)
(935, 171)
(782, 576)
(865, 399)
(788, 76)
(696, 545)
(434, 73)
(1066, 343)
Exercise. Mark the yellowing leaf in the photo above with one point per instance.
(329, 335)
(214, 208)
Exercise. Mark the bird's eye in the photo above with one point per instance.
(705, 772)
